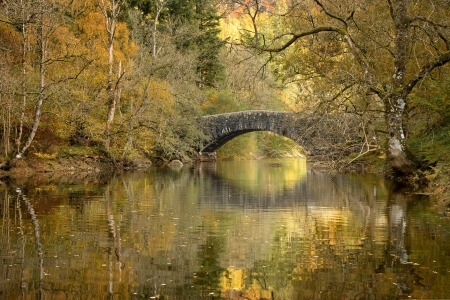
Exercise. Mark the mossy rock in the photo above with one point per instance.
(176, 164)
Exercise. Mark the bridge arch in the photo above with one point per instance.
(222, 128)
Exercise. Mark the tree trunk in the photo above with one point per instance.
(397, 154)
(399, 157)
(24, 79)
(42, 39)
(110, 86)
(111, 12)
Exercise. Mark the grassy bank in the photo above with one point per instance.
(434, 149)
(71, 160)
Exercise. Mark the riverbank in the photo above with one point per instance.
(433, 149)
(92, 166)
(77, 166)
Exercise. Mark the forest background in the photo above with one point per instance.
(128, 79)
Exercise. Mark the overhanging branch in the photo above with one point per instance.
(426, 69)
(296, 36)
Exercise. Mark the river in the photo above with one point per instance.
(260, 229)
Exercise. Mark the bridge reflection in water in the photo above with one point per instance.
(228, 230)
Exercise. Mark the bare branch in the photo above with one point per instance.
(296, 36)
(443, 59)
(431, 22)
(391, 9)
(333, 16)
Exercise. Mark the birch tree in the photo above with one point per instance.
(111, 10)
(45, 46)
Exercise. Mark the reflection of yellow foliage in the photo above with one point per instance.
(270, 176)
(256, 292)
(234, 280)
(233, 286)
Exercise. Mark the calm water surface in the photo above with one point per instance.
(231, 230)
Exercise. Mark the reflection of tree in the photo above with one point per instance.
(272, 176)
(396, 260)
(270, 278)
(37, 236)
(207, 278)
(114, 244)
(22, 250)
(319, 253)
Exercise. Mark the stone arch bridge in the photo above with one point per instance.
(319, 135)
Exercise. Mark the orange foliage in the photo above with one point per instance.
(91, 32)
(10, 40)
(90, 29)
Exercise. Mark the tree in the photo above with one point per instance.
(201, 19)
(209, 44)
(10, 57)
(380, 50)
(91, 108)
(45, 48)
(163, 98)
(111, 10)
